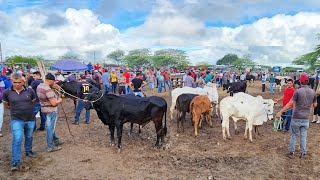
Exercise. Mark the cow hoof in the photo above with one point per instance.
(251, 141)
(158, 146)
(119, 150)
(112, 144)
(229, 138)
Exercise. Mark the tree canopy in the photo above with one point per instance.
(203, 64)
(117, 56)
(228, 59)
(170, 57)
(138, 57)
(32, 60)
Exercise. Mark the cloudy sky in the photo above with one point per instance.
(272, 32)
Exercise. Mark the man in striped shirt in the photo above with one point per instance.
(49, 102)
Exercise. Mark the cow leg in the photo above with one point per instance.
(111, 128)
(235, 127)
(196, 124)
(119, 126)
(228, 131)
(131, 129)
(209, 118)
(139, 129)
(158, 126)
(75, 104)
(250, 125)
(224, 130)
(246, 131)
(182, 119)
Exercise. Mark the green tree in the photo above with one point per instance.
(69, 55)
(170, 58)
(243, 62)
(138, 57)
(228, 59)
(289, 69)
(203, 64)
(32, 60)
(116, 56)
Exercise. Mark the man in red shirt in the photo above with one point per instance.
(127, 76)
(166, 76)
(97, 67)
(287, 95)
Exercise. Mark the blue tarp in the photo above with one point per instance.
(69, 65)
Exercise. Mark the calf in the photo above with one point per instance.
(182, 107)
(200, 106)
(114, 111)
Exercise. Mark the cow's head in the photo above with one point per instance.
(93, 95)
(268, 104)
(212, 92)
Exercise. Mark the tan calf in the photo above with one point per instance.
(200, 106)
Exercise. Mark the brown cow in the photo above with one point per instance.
(200, 106)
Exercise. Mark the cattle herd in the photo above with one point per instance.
(202, 103)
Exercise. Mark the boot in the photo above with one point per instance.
(315, 119)
(318, 122)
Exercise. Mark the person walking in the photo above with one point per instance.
(83, 90)
(151, 80)
(166, 76)
(49, 107)
(263, 82)
(303, 99)
(137, 84)
(37, 106)
(160, 79)
(271, 80)
(285, 98)
(316, 111)
(20, 101)
(106, 80)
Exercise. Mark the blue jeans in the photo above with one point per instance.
(151, 85)
(82, 104)
(271, 88)
(36, 109)
(18, 128)
(138, 93)
(51, 120)
(114, 87)
(1, 115)
(107, 87)
(160, 84)
(168, 83)
(287, 116)
(298, 125)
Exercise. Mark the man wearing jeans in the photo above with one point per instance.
(271, 79)
(49, 102)
(302, 99)
(37, 107)
(82, 92)
(20, 100)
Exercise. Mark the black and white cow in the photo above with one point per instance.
(235, 87)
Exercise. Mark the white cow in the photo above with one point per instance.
(254, 110)
(210, 89)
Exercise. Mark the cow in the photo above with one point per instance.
(71, 89)
(115, 110)
(182, 107)
(200, 106)
(251, 78)
(254, 110)
(235, 87)
(281, 81)
(210, 89)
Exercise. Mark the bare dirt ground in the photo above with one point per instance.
(88, 155)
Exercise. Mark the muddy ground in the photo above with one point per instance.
(88, 155)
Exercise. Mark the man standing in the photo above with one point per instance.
(166, 76)
(287, 95)
(83, 90)
(20, 100)
(137, 84)
(2, 88)
(37, 107)
(114, 81)
(242, 77)
(189, 80)
(271, 79)
(151, 80)
(122, 83)
(126, 74)
(106, 80)
(303, 98)
(98, 78)
(263, 82)
(49, 102)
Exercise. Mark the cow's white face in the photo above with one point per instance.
(268, 104)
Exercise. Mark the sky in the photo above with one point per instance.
(271, 32)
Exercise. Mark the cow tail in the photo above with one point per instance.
(165, 123)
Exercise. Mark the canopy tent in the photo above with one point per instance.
(69, 65)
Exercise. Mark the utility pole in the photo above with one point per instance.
(94, 57)
(0, 52)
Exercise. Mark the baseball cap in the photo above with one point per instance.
(303, 78)
(83, 76)
(95, 71)
(50, 76)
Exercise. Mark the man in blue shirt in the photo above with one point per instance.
(271, 79)
(106, 80)
(263, 82)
